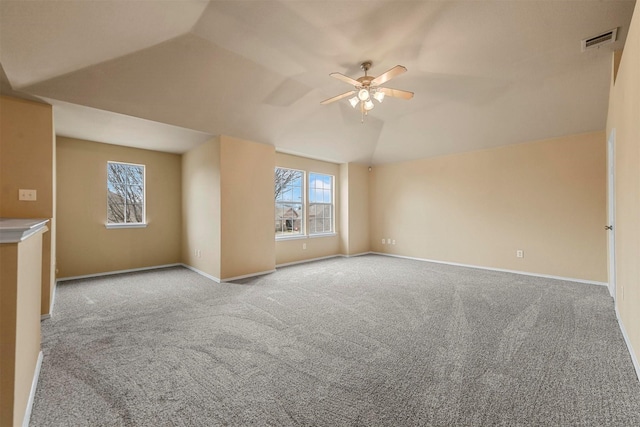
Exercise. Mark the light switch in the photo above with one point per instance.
(27, 195)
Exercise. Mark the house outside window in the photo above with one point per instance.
(289, 198)
(320, 203)
(125, 194)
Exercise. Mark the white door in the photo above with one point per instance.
(611, 211)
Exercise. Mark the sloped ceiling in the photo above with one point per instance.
(484, 73)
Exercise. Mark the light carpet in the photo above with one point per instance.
(365, 341)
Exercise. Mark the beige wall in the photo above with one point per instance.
(546, 198)
(344, 208)
(246, 195)
(20, 295)
(201, 208)
(27, 156)
(316, 247)
(84, 244)
(624, 117)
(8, 310)
(354, 209)
(359, 241)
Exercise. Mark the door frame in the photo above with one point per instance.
(611, 211)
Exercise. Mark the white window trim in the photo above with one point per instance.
(306, 234)
(303, 232)
(332, 204)
(143, 224)
(293, 237)
(126, 225)
(327, 234)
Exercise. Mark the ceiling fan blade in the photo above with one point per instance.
(396, 93)
(388, 75)
(345, 79)
(336, 98)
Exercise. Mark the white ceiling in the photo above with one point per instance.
(484, 73)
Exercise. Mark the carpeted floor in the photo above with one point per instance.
(366, 341)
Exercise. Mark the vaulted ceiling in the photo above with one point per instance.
(168, 74)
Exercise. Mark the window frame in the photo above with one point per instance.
(330, 204)
(303, 229)
(126, 224)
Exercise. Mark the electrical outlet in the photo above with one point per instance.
(304, 246)
(393, 242)
(388, 241)
(383, 241)
(27, 195)
(520, 253)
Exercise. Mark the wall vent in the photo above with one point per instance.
(599, 40)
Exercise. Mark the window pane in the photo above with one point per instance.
(115, 212)
(289, 194)
(134, 194)
(135, 175)
(134, 213)
(125, 193)
(320, 203)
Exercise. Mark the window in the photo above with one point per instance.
(289, 196)
(294, 208)
(320, 203)
(125, 194)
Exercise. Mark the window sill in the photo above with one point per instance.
(298, 237)
(133, 225)
(306, 236)
(313, 236)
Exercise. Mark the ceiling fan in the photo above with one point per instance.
(367, 88)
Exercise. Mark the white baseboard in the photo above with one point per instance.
(32, 393)
(358, 254)
(53, 300)
(479, 267)
(634, 359)
(228, 279)
(303, 261)
(246, 276)
(110, 273)
(202, 273)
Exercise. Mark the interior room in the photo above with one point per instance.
(283, 180)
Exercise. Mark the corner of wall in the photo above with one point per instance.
(201, 207)
(344, 208)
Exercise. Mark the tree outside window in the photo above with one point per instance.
(289, 198)
(125, 193)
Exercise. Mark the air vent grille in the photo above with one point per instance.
(599, 40)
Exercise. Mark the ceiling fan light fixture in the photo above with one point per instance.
(367, 88)
(368, 105)
(379, 96)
